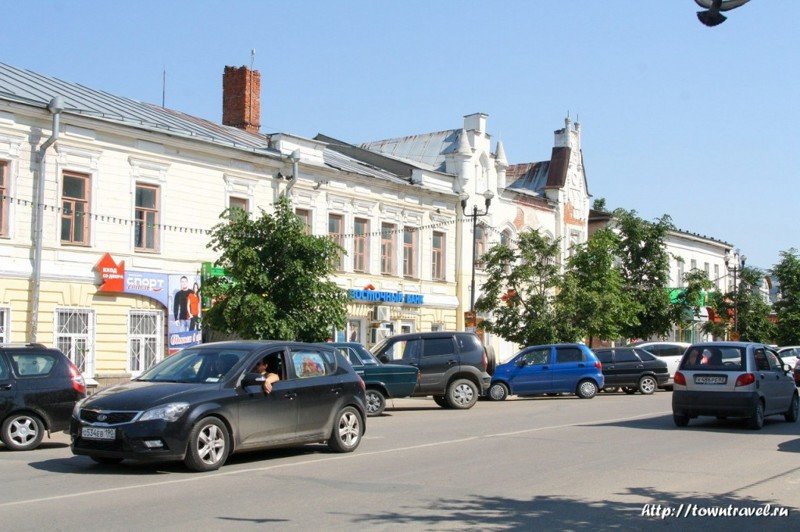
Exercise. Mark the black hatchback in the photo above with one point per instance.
(39, 387)
(632, 369)
(208, 401)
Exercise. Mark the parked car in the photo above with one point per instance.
(383, 381)
(789, 354)
(669, 352)
(733, 379)
(632, 369)
(797, 372)
(207, 402)
(555, 368)
(39, 387)
(452, 365)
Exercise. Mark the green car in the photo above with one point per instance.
(382, 380)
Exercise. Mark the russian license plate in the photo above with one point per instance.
(710, 379)
(93, 433)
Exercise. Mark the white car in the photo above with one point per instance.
(789, 354)
(669, 352)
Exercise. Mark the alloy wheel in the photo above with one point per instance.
(211, 444)
(349, 428)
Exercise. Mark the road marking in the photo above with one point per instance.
(217, 474)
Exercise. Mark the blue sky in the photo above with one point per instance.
(677, 118)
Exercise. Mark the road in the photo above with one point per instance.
(554, 462)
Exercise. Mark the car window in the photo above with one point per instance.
(4, 373)
(33, 364)
(774, 361)
(536, 356)
(350, 355)
(196, 365)
(762, 363)
(364, 356)
(438, 347)
(569, 354)
(603, 356)
(665, 350)
(717, 358)
(401, 349)
(309, 363)
(468, 342)
(645, 355)
(625, 355)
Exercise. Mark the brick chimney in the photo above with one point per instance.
(241, 98)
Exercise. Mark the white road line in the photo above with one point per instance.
(199, 477)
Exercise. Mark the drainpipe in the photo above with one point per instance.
(295, 158)
(56, 106)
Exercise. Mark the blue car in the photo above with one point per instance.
(554, 368)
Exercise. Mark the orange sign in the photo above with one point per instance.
(112, 274)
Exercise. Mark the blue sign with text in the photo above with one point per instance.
(377, 296)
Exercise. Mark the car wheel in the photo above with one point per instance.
(376, 403)
(586, 389)
(209, 445)
(462, 394)
(441, 401)
(22, 432)
(647, 385)
(630, 390)
(794, 409)
(680, 420)
(106, 460)
(347, 431)
(757, 421)
(498, 392)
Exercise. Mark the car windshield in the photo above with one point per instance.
(367, 358)
(195, 365)
(717, 358)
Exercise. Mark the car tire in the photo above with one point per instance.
(498, 391)
(376, 403)
(757, 421)
(586, 389)
(441, 400)
(209, 445)
(106, 460)
(347, 431)
(794, 409)
(462, 394)
(22, 432)
(647, 385)
(630, 390)
(680, 420)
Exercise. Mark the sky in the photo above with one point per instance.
(697, 123)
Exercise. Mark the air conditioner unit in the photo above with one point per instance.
(378, 334)
(382, 313)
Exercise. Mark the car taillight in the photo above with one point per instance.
(485, 359)
(679, 378)
(78, 384)
(362, 383)
(745, 378)
(599, 365)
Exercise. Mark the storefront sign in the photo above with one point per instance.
(377, 296)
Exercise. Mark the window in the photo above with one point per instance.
(716, 276)
(707, 269)
(439, 346)
(361, 245)
(388, 261)
(604, 356)
(336, 233)
(145, 344)
(401, 349)
(694, 265)
(238, 205)
(569, 354)
(309, 364)
(32, 364)
(481, 243)
(5, 201)
(625, 355)
(505, 238)
(5, 333)
(409, 252)
(75, 337)
(537, 356)
(145, 235)
(437, 259)
(305, 217)
(75, 209)
(680, 273)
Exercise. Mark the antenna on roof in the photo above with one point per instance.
(163, 87)
(252, 57)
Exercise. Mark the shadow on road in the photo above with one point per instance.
(772, 425)
(563, 513)
(791, 446)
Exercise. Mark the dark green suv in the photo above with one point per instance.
(452, 365)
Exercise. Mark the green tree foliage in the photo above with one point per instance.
(592, 302)
(753, 313)
(722, 305)
(281, 287)
(644, 266)
(519, 290)
(693, 296)
(788, 307)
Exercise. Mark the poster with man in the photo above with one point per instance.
(184, 312)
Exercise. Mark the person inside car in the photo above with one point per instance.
(269, 376)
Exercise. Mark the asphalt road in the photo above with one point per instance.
(544, 463)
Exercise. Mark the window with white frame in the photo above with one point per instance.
(236, 204)
(505, 238)
(74, 336)
(716, 276)
(145, 340)
(360, 245)
(437, 256)
(409, 252)
(75, 208)
(336, 233)
(5, 200)
(680, 273)
(305, 217)
(5, 325)
(145, 232)
(388, 237)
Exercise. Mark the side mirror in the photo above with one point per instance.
(253, 379)
(519, 363)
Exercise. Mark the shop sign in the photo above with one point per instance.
(378, 296)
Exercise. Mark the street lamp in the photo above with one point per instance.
(488, 195)
(735, 263)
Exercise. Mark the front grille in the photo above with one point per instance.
(112, 418)
(100, 445)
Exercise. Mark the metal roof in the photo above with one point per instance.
(30, 88)
(530, 177)
(427, 151)
(339, 161)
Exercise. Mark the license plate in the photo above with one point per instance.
(710, 379)
(92, 433)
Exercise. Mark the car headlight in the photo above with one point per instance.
(168, 412)
(76, 410)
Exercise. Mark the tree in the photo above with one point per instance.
(279, 283)
(753, 311)
(787, 307)
(592, 302)
(686, 308)
(644, 266)
(519, 290)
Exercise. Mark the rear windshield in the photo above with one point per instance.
(717, 358)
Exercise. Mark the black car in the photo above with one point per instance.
(632, 369)
(382, 380)
(452, 365)
(207, 402)
(39, 387)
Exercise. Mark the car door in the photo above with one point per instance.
(628, 367)
(606, 358)
(530, 373)
(570, 365)
(437, 358)
(767, 379)
(266, 418)
(317, 389)
(784, 385)
(7, 387)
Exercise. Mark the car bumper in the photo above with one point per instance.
(130, 441)
(734, 404)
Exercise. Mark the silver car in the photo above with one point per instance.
(733, 379)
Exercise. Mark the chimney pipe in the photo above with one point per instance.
(241, 98)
